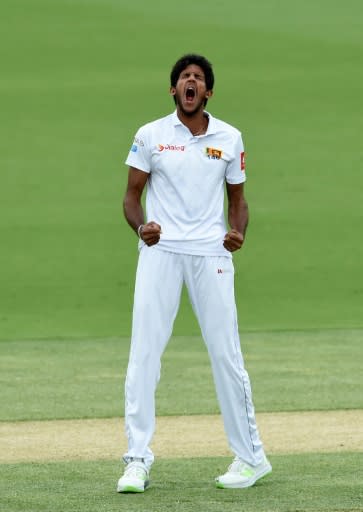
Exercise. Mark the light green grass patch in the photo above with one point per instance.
(307, 370)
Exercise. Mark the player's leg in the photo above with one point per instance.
(157, 296)
(210, 282)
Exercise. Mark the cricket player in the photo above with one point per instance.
(185, 160)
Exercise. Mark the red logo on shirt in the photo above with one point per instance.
(170, 147)
(242, 161)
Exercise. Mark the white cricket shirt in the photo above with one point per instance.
(187, 174)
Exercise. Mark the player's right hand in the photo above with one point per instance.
(150, 233)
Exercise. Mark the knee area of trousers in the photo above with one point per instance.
(221, 356)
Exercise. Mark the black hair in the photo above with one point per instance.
(193, 58)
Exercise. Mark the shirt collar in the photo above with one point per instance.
(211, 124)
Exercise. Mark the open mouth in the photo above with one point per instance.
(190, 93)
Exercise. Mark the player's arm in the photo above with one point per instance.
(133, 210)
(237, 217)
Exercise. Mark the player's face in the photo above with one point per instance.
(191, 91)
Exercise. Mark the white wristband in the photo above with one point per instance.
(139, 230)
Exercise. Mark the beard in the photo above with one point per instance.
(189, 113)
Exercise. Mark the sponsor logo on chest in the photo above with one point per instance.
(169, 147)
(210, 153)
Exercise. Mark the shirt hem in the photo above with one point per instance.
(189, 251)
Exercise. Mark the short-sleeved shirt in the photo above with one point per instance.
(187, 175)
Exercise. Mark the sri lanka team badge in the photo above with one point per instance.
(213, 154)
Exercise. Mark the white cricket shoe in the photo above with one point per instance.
(135, 478)
(240, 474)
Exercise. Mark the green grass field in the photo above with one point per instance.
(78, 77)
(296, 484)
(290, 371)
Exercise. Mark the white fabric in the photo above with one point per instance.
(210, 283)
(185, 189)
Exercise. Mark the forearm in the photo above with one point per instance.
(133, 211)
(238, 216)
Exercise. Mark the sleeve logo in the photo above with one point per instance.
(243, 161)
(137, 142)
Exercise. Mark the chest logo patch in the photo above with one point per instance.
(170, 147)
(213, 154)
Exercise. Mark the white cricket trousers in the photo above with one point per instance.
(210, 283)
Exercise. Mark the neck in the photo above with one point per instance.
(197, 122)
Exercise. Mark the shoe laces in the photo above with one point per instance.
(136, 469)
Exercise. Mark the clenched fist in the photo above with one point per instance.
(150, 233)
(233, 240)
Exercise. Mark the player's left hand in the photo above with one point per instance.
(233, 240)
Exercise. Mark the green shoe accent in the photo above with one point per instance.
(241, 475)
(247, 472)
(129, 488)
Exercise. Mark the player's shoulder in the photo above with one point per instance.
(224, 127)
(151, 131)
(157, 124)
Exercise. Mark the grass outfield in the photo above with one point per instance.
(49, 379)
(310, 483)
(78, 77)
